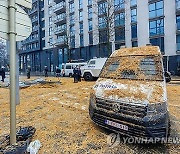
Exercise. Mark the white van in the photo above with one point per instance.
(67, 69)
(93, 68)
(130, 95)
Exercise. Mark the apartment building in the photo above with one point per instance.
(31, 48)
(77, 29)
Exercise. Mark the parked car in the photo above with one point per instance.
(67, 69)
(130, 95)
(93, 68)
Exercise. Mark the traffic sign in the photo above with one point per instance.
(23, 22)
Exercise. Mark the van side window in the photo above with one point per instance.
(148, 66)
(68, 66)
(93, 62)
(113, 66)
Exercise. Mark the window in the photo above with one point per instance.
(118, 4)
(92, 62)
(178, 22)
(120, 34)
(134, 31)
(50, 21)
(158, 42)
(71, 7)
(71, 17)
(50, 41)
(90, 38)
(134, 15)
(89, 2)
(81, 40)
(156, 27)
(120, 19)
(133, 2)
(103, 36)
(113, 66)
(177, 4)
(50, 31)
(80, 4)
(156, 9)
(178, 42)
(81, 28)
(102, 8)
(134, 44)
(80, 16)
(50, 10)
(68, 66)
(102, 22)
(72, 30)
(90, 12)
(90, 25)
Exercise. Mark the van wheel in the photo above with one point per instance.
(70, 75)
(88, 76)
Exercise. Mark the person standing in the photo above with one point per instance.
(75, 74)
(3, 73)
(46, 71)
(79, 74)
(28, 72)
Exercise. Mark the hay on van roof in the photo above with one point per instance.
(146, 50)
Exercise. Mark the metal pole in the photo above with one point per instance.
(12, 38)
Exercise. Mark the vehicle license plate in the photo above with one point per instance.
(117, 125)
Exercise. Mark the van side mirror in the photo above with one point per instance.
(167, 76)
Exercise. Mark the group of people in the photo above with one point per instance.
(2, 73)
(77, 74)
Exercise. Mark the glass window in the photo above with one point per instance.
(118, 4)
(134, 31)
(156, 27)
(90, 25)
(158, 42)
(178, 22)
(156, 9)
(133, 2)
(92, 62)
(178, 42)
(80, 4)
(119, 19)
(81, 40)
(90, 12)
(89, 2)
(71, 7)
(114, 66)
(177, 4)
(102, 8)
(71, 17)
(120, 34)
(134, 44)
(90, 38)
(134, 15)
(80, 16)
(81, 28)
(102, 22)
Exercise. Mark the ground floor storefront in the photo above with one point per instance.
(51, 58)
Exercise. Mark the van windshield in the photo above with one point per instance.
(133, 67)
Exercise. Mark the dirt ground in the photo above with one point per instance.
(59, 112)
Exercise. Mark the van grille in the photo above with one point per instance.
(121, 108)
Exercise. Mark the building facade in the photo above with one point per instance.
(83, 29)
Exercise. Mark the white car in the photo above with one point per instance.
(93, 68)
(67, 69)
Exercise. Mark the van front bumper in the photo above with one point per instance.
(147, 127)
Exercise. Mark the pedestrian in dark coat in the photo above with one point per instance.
(3, 73)
(75, 74)
(28, 72)
(79, 74)
(46, 71)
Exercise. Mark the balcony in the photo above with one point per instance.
(59, 31)
(61, 19)
(60, 7)
(60, 42)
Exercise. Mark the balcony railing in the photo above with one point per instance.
(59, 30)
(59, 6)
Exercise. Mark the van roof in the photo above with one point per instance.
(137, 51)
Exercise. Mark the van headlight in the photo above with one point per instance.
(157, 108)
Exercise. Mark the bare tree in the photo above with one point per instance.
(106, 12)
